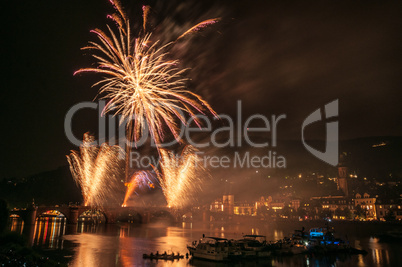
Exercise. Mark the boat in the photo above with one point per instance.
(214, 249)
(162, 256)
(290, 246)
(318, 233)
(322, 240)
(254, 246)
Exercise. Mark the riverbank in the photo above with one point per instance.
(14, 251)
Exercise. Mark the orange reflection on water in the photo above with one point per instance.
(16, 224)
(360, 260)
(380, 257)
(124, 232)
(48, 232)
(187, 225)
(94, 250)
(255, 231)
(172, 241)
(126, 257)
(85, 255)
(379, 253)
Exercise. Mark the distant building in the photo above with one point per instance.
(342, 181)
(264, 202)
(388, 208)
(367, 203)
(228, 203)
(224, 204)
(245, 209)
(278, 203)
(335, 204)
(217, 206)
(295, 204)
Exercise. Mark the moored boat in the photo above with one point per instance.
(289, 246)
(213, 248)
(323, 239)
(254, 246)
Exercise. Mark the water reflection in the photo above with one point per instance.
(89, 227)
(16, 224)
(379, 252)
(48, 232)
(187, 225)
(94, 250)
(123, 244)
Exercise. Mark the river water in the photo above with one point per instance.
(123, 244)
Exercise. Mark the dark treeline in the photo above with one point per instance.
(47, 188)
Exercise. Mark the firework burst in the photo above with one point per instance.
(140, 179)
(180, 176)
(140, 82)
(94, 169)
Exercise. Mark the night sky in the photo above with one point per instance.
(275, 57)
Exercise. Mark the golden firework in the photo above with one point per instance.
(180, 176)
(140, 82)
(94, 169)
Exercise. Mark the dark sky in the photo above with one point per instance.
(274, 56)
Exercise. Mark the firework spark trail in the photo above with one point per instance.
(180, 176)
(199, 26)
(141, 83)
(138, 180)
(93, 169)
(145, 12)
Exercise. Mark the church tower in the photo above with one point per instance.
(343, 176)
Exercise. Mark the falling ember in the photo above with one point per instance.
(140, 82)
(94, 169)
(180, 176)
(138, 180)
